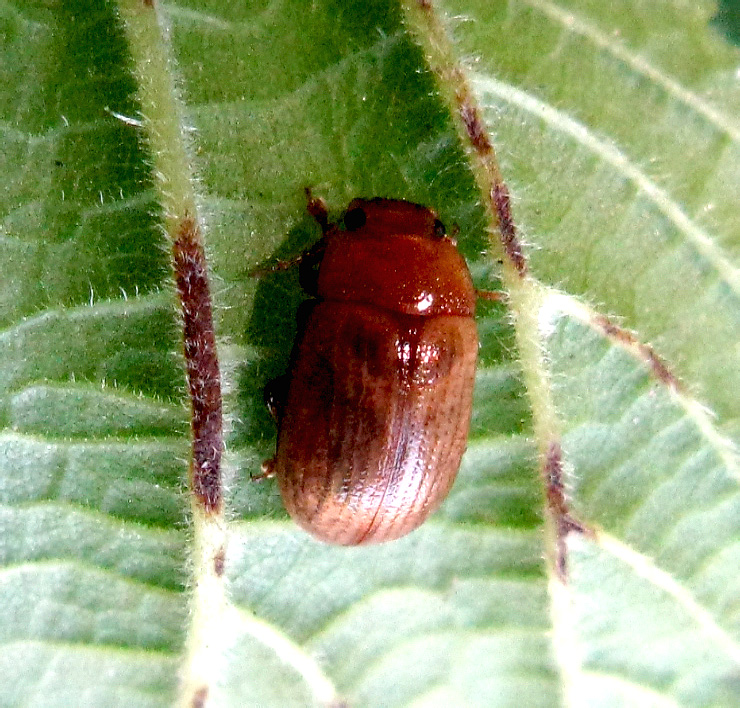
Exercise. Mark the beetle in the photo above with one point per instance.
(373, 415)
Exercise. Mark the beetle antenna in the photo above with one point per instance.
(262, 271)
(317, 209)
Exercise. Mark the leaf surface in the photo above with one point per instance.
(616, 131)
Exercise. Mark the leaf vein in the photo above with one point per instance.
(578, 25)
(645, 568)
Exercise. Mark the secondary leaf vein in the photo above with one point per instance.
(694, 234)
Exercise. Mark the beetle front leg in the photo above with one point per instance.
(267, 470)
(491, 295)
(275, 394)
(316, 207)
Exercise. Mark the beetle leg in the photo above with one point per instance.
(267, 471)
(491, 295)
(308, 269)
(275, 393)
(454, 233)
(308, 259)
(317, 209)
(261, 271)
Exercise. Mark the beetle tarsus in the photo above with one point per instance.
(262, 271)
(275, 393)
(267, 471)
(316, 207)
(491, 295)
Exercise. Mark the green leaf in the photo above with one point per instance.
(617, 133)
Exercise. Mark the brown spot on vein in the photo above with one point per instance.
(553, 472)
(219, 561)
(500, 202)
(509, 239)
(558, 504)
(201, 361)
(200, 697)
(657, 366)
(474, 126)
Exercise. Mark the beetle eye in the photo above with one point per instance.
(439, 229)
(355, 219)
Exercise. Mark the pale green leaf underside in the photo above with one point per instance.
(618, 135)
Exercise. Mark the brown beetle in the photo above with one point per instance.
(375, 413)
